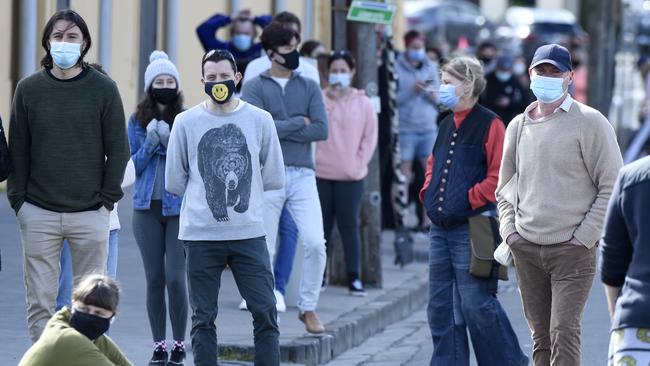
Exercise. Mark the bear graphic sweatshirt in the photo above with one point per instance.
(221, 164)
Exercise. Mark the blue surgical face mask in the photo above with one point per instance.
(64, 54)
(242, 41)
(503, 76)
(448, 96)
(417, 55)
(342, 80)
(547, 89)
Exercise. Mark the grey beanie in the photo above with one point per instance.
(159, 64)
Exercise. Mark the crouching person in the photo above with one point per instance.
(75, 337)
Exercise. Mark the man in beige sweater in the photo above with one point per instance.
(560, 162)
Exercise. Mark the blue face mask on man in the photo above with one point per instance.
(547, 89)
(64, 54)
(416, 54)
(242, 41)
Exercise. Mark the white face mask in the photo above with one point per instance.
(503, 76)
(64, 54)
(518, 69)
(342, 80)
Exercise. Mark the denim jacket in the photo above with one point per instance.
(146, 156)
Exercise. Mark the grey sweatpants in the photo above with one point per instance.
(164, 266)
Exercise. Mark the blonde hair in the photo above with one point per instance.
(468, 70)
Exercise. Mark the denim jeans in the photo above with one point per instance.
(288, 236)
(301, 199)
(459, 302)
(249, 262)
(64, 295)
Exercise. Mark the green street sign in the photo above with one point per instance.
(371, 12)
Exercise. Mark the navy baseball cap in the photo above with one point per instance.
(553, 54)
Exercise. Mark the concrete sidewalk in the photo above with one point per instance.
(349, 320)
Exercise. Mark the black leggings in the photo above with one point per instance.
(164, 266)
(341, 200)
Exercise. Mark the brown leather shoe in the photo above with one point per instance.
(312, 323)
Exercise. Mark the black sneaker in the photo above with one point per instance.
(159, 358)
(356, 288)
(177, 357)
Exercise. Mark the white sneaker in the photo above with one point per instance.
(280, 305)
(242, 305)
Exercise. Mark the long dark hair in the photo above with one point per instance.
(73, 17)
(147, 109)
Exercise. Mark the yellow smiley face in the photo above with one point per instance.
(220, 92)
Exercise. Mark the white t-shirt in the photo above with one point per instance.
(282, 81)
(129, 178)
(263, 63)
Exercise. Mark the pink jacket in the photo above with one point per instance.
(352, 138)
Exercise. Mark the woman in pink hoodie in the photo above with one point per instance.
(342, 160)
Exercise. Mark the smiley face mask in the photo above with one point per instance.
(220, 92)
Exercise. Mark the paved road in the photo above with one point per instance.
(408, 343)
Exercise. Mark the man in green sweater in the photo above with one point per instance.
(560, 163)
(68, 147)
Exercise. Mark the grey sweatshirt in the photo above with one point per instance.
(222, 164)
(417, 113)
(300, 98)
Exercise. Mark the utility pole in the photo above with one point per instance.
(360, 40)
(363, 44)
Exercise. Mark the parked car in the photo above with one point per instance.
(535, 27)
(447, 20)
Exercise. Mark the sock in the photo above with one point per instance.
(160, 345)
(180, 345)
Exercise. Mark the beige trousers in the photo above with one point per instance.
(42, 233)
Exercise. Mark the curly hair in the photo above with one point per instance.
(147, 109)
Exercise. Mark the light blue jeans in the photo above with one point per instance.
(64, 296)
(300, 197)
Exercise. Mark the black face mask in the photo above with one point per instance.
(164, 96)
(92, 326)
(291, 59)
(220, 92)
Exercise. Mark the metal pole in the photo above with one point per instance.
(235, 6)
(105, 35)
(280, 5)
(62, 4)
(147, 38)
(171, 30)
(308, 19)
(28, 14)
